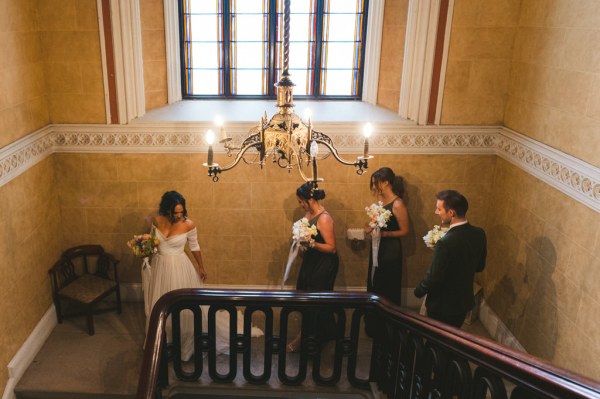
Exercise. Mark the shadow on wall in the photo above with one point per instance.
(525, 297)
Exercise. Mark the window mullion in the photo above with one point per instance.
(318, 49)
(226, 72)
(272, 45)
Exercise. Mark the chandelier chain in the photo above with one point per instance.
(286, 37)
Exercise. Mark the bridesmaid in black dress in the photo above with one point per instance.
(387, 277)
(319, 265)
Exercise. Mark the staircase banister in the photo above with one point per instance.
(520, 368)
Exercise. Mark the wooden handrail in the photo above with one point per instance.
(417, 337)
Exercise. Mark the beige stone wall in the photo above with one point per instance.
(154, 53)
(245, 219)
(479, 59)
(70, 49)
(23, 103)
(392, 54)
(554, 92)
(543, 271)
(30, 242)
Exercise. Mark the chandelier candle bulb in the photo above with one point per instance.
(314, 151)
(210, 138)
(367, 132)
(223, 134)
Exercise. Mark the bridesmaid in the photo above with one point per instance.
(320, 263)
(387, 277)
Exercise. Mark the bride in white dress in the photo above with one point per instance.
(171, 269)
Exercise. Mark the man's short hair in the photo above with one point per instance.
(454, 200)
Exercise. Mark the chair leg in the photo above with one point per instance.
(90, 322)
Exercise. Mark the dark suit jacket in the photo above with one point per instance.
(449, 280)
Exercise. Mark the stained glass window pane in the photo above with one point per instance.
(204, 27)
(205, 82)
(204, 6)
(248, 6)
(341, 27)
(348, 6)
(300, 6)
(299, 55)
(205, 55)
(338, 83)
(248, 55)
(300, 79)
(248, 82)
(339, 55)
(247, 27)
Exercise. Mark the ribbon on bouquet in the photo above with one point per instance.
(376, 237)
(294, 249)
(146, 278)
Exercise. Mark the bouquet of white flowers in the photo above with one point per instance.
(378, 215)
(302, 233)
(378, 218)
(434, 235)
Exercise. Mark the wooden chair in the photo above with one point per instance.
(81, 279)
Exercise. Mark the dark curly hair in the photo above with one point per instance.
(168, 202)
(306, 192)
(388, 175)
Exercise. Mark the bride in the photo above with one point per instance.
(171, 269)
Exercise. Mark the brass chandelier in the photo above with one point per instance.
(285, 139)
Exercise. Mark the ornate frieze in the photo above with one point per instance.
(571, 176)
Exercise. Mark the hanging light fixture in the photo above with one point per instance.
(285, 139)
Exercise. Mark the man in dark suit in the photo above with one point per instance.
(456, 258)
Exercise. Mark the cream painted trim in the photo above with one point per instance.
(30, 348)
(129, 72)
(417, 66)
(373, 51)
(576, 178)
(103, 57)
(172, 51)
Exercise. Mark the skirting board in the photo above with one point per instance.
(25, 355)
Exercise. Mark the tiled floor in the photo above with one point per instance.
(73, 364)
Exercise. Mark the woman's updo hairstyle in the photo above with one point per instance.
(388, 175)
(306, 192)
(168, 202)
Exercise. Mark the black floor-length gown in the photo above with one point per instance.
(387, 279)
(317, 273)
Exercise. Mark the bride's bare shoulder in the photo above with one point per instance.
(189, 224)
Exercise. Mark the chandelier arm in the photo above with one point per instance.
(248, 145)
(333, 150)
(300, 167)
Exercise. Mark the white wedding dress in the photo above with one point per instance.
(171, 269)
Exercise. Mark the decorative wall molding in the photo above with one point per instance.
(578, 179)
(570, 175)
